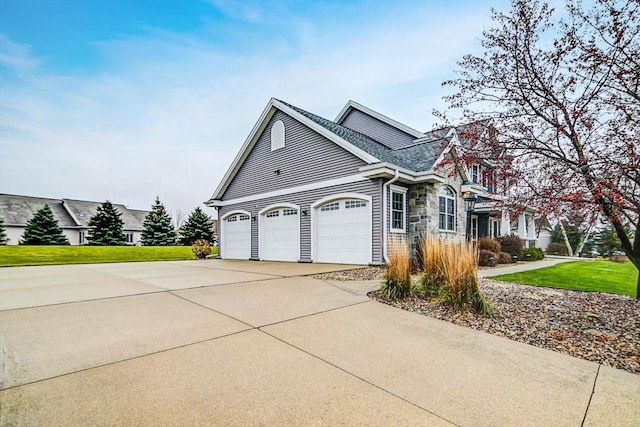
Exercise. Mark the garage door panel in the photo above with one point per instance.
(279, 238)
(237, 237)
(343, 232)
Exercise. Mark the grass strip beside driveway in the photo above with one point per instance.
(598, 276)
(49, 255)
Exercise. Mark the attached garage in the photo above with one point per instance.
(279, 231)
(236, 232)
(342, 230)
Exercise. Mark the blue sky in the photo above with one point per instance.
(129, 100)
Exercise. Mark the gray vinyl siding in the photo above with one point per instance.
(304, 200)
(388, 135)
(306, 157)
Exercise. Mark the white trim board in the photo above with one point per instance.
(291, 190)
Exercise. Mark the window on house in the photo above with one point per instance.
(489, 180)
(447, 205)
(475, 174)
(129, 236)
(277, 135)
(494, 227)
(81, 238)
(398, 209)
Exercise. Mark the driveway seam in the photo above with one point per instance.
(312, 314)
(358, 377)
(212, 310)
(126, 359)
(593, 390)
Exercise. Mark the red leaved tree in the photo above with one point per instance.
(563, 91)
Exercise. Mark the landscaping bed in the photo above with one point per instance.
(599, 327)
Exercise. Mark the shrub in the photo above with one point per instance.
(619, 258)
(487, 258)
(512, 245)
(451, 272)
(489, 244)
(557, 249)
(201, 249)
(397, 282)
(504, 258)
(532, 254)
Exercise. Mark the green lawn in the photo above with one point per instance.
(43, 255)
(599, 276)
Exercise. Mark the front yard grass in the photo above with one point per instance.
(47, 255)
(598, 276)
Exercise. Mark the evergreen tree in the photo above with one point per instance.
(105, 226)
(43, 229)
(3, 232)
(197, 226)
(158, 229)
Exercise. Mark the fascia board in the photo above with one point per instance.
(267, 113)
(381, 117)
(404, 174)
(326, 133)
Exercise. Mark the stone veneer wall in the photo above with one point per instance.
(424, 212)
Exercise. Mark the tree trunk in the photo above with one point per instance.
(583, 241)
(566, 239)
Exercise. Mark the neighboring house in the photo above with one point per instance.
(304, 188)
(72, 215)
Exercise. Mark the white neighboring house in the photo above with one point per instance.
(72, 215)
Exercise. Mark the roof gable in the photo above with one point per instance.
(343, 137)
(352, 105)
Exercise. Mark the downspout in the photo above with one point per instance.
(385, 187)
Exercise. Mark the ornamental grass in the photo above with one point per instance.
(451, 273)
(397, 282)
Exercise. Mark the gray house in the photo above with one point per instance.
(72, 215)
(304, 188)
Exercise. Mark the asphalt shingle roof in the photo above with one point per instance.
(417, 157)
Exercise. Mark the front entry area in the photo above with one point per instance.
(342, 231)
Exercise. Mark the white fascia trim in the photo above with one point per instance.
(71, 214)
(260, 224)
(326, 133)
(376, 115)
(301, 188)
(244, 150)
(404, 174)
(314, 208)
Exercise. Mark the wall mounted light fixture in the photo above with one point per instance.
(305, 212)
(277, 171)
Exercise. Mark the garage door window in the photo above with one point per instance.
(353, 204)
(273, 214)
(289, 212)
(330, 207)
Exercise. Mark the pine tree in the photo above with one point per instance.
(43, 229)
(197, 226)
(158, 229)
(3, 232)
(105, 226)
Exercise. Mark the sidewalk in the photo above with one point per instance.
(533, 265)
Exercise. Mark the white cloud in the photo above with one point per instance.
(169, 115)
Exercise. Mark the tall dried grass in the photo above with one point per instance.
(397, 282)
(451, 273)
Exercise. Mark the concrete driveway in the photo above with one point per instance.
(257, 343)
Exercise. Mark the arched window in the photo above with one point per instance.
(447, 199)
(277, 135)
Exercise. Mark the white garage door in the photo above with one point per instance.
(279, 235)
(343, 232)
(237, 237)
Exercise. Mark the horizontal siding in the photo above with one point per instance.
(305, 199)
(306, 157)
(376, 129)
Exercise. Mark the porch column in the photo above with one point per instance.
(522, 226)
(505, 224)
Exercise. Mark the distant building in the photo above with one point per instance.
(72, 215)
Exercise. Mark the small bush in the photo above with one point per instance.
(201, 249)
(532, 254)
(619, 258)
(487, 258)
(489, 244)
(512, 245)
(557, 249)
(397, 282)
(504, 258)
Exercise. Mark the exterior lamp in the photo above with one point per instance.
(469, 205)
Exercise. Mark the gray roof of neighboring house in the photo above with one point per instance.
(417, 157)
(17, 210)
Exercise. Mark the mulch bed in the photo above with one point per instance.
(599, 327)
